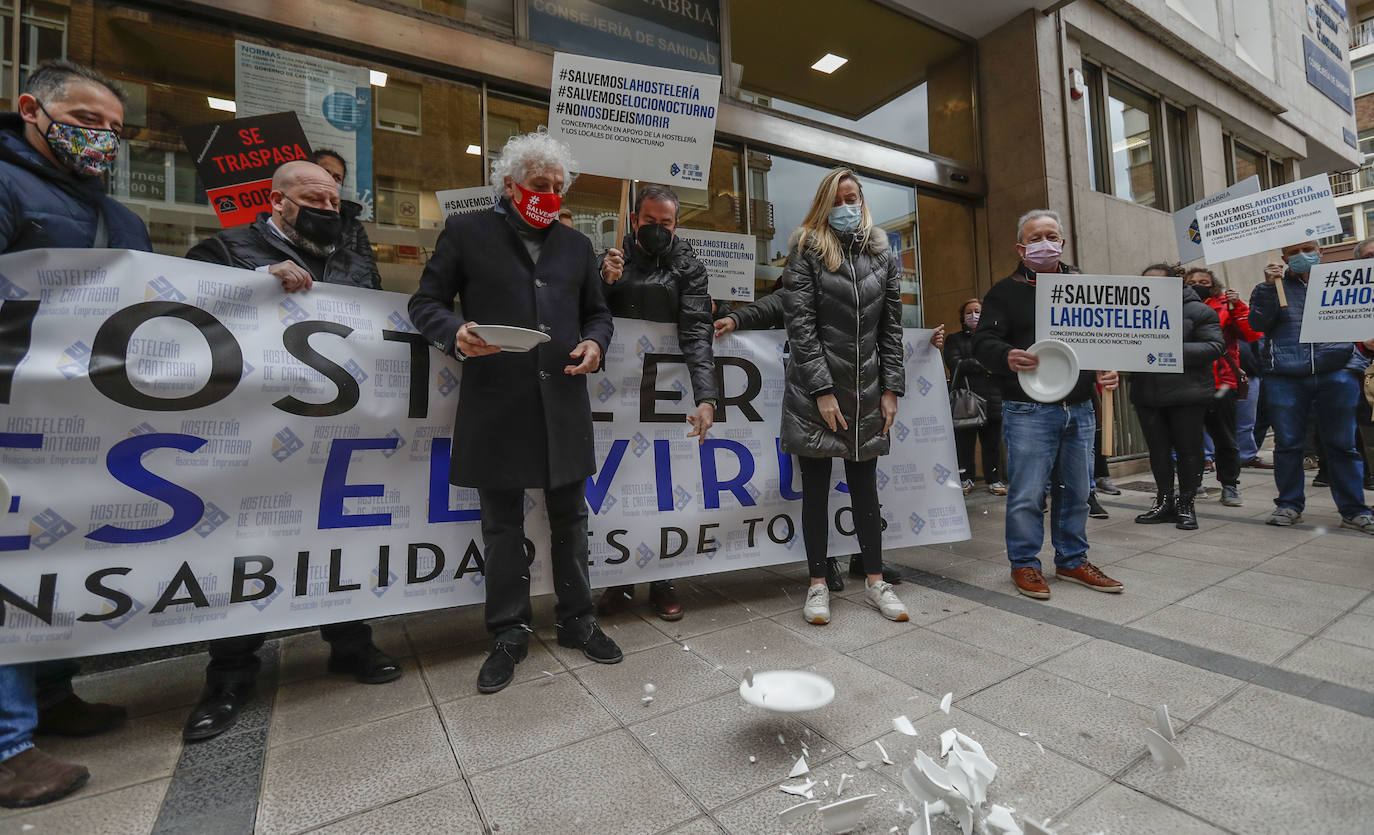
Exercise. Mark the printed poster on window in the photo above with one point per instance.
(461, 201)
(332, 100)
(729, 260)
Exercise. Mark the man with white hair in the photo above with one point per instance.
(524, 418)
(1046, 442)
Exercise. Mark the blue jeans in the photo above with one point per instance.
(1288, 400)
(1048, 443)
(18, 709)
(1245, 422)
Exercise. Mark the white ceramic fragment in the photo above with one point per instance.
(844, 815)
(903, 725)
(969, 743)
(801, 789)
(753, 759)
(650, 689)
(964, 815)
(1033, 828)
(861, 765)
(947, 742)
(646, 699)
(999, 820)
(945, 702)
(686, 648)
(799, 767)
(1162, 751)
(1163, 724)
(839, 790)
(792, 814)
(882, 752)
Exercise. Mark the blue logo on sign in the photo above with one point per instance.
(1150, 359)
(213, 518)
(10, 290)
(247, 369)
(263, 602)
(379, 589)
(605, 391)
(356, 371)
(135, 606)
(342, 111)
(397, 322)
(641, 444)
(924, 385)
(74, 360)
(646, 555)
(290, 313)
(529, 504)
(917, 523)
(674, 169)
(400, 442)
(141, 429)
(882, 479)
(48, 527)
(162, 290)
(1194, 234)
(681, 498)
(900, 430)
(942, 473)
(643, 346)
(285, 444)
(447, 382)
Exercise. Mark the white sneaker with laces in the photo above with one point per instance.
(881, 597)
(817, 607)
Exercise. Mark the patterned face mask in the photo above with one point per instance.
(85, 151)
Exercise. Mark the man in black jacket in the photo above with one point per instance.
(297, 243)
(1045, 441)
(524, 418)
(659, 279)
(354, 236)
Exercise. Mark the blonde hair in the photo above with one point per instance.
(815, 233)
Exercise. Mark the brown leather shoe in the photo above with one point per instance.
(32, 778)
(1030, 582)
(1088, 575)
(615, 600)
(73, 716)
(663, 597)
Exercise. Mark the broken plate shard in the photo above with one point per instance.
(999, 820)
(969, 743)
(945, 702)
(800, 789)
(1163, 723)
(962, 813)
(1033, 828)
(844, 815)
(947, 741)
(883, 753)
(792, 814)
(922, 824)
(799, 767)
(903, 725)
(1162, 751)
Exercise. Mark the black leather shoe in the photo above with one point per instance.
(217, 711)
(856, 570)
(834, 578)
(615, 600)
(663, 597)
(1162, 511)
(597, 645)
(74, 716)
(1095, 508)
(369, 665)
(1187, 515)
(499, 668)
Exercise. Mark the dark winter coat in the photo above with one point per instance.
(1281, 353)
(767, 313)
(845, 332)
(521, 421)
(354, 237)
(256, 245)
(1203, 344)
(964, 367)
(672, 287)
(42, 205)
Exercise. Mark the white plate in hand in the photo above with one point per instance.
(508, 337)
(787, 691)
(1055, 376)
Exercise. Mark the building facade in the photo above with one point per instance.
(960, 116)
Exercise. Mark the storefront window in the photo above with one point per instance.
(1134, 134)
(496, 15)
(1181, 160)
(716, 208)
(42, 38)
(901, 81)
(1249, 163)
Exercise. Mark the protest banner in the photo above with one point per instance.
(1268, 220)
(1185, 219)
(1340, 303)
(729, 259)
(634, 121)
(235, 160)
(460, 201)
(332, 99)
(1113, 322)
(196, 454)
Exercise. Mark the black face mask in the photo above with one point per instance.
(655, 238)
(319, 226)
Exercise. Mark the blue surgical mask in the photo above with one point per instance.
(1303, 262)
(846, 217)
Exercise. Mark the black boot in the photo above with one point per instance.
(1187, 514)
(834, 578)
(1163, 511)
(856, 570)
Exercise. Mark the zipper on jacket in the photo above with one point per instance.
(858, 392)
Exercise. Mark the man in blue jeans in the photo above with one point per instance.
(1298, 375)
(1045, 442)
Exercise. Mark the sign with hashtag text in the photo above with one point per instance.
(634, 121)
(1269, 220)
(1340, 303)
(1113, 322)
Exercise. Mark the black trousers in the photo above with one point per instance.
(508, 610)
(862, 478)
(1220, 423)
(990, 435)
(1170, 431)
(235, 660)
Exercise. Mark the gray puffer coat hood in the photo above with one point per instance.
(845, 330)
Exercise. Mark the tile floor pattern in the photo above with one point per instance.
(570, 746)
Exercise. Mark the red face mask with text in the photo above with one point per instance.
(538, 208)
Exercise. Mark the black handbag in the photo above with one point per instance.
(967, 409)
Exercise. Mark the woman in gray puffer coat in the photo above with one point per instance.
(844, 325)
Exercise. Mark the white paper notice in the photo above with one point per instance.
(1113, 322)
(1185, 220)
(461, 201)
(1340, 303)
(1270, 219)
(729, 258)
(634, 121)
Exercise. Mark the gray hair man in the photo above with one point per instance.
(1045, 441)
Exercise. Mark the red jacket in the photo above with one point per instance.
(1235, 326)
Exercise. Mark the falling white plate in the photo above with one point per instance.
(509, 337)
(1055, 376)
(788, 691)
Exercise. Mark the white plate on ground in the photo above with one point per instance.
(788, 691)
(1055, 376)
(509, 337)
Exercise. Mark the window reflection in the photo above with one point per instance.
(1131, 120)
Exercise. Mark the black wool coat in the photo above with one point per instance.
(521, 421)
(1203, 344)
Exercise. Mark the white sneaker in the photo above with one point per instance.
(817, 607)
(881, 597)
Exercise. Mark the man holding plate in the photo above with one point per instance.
(1049, 437)
(524, 416)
